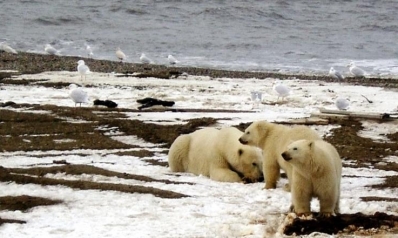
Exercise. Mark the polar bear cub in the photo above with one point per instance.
(316, 173)
(216, 154)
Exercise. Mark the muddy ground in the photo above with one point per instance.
(16, 127)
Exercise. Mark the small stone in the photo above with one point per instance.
(352, 227)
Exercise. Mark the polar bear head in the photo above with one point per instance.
(299, 153)
(255, 133)
(249, 163)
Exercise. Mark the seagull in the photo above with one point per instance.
(50, 50)
(281, 89)
(335, 74)
(144, 59)
(356, 71)
(7, 48)
(256, 98)
(77, 94)
(342, 103)
(172, 60)
(120, 55)
(82, 68)
(89, 51)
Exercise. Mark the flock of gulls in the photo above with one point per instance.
(79, 96)
(76, 93)
(354, 71)
(343, 103)
(283, 91)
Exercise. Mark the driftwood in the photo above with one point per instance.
(2, 221)
(306, 121)
(340, 114)
(155, 109)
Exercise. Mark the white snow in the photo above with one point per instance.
(213, 209)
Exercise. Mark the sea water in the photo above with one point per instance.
(305, 36)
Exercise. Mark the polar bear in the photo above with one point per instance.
(273, 139)
(216, 154)
(316, 173)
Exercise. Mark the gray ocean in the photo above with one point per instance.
(306, 36)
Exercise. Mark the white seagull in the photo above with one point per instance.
(77, 94)
(335, 74)
(144, 59)
(356, 71)
(281, 89)
(256, 97)
(89, 51)
(120, 55)
(172, 60)
(342, 103)
(82, 68)
(49, 49)
(7, 48)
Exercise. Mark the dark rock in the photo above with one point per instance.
(6, 104)
(4, 75)
(107, 103)
(149, 102)
(335, 224)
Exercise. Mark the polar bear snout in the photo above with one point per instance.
(243, 141)
(286, 156)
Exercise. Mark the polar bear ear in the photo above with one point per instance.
(240, 152)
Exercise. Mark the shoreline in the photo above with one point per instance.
(31, 63)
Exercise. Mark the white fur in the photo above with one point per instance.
(316, 173)
(216, 154)
(273, 140)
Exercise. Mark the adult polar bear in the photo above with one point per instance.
(316, 173)
(216, 154)
(273, 139)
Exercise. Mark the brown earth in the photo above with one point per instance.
(17, 128)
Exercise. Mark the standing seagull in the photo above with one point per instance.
(82, 68)
(172, 60)
(342, 103)
(120, 55)
(77, 94)
(335, 74)
(281, 89)
(7, 48)
(144, 59)
(356, 71)
(49, 49)
(89, 51)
